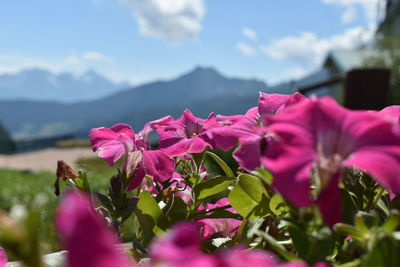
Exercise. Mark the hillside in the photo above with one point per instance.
(203, 90)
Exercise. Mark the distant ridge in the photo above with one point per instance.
(43, 85)
(203, 89)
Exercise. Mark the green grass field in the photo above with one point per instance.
(19, 188)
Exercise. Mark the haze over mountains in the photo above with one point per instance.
(42, 85)
(203, 90)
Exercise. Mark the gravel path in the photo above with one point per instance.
(43, 159)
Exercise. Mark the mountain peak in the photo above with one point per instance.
(202, 72)
(41, 84)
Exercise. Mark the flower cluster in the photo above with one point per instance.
(295, 138)
(293, 182)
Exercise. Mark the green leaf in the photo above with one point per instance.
(300, 239)
(227, 170)
(349, 230)
(147, 212)
(249, 197)
(322, 243)
(198, 159)
(393, 222)
(128, 208)
(349, 205)
(382, 207)
(278, 248)
(105, 201)
(265, 175)
(384, 253)
(174, 211)
(82, 182)
(360, 225)
(278, 205)
(212, 187)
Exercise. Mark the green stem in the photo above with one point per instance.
(376, 199)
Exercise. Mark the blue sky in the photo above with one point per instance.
(143, 40)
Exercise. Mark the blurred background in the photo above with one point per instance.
(69, 66)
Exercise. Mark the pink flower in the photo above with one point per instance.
(110, 143)
(119, 140)
(322, 136)
(270, 104)
(3, 258)
(180, 248)
(223, 227)
(391, 113)
(85, 235)
(250, 129)
(240, 257)
(188, 134)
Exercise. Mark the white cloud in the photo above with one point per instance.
(73, 60)
(174, 20)
(349, 15)
(370, 7)
(309, 50)
(96, 56)
(245, 49)
(295, 73)
(249, 33)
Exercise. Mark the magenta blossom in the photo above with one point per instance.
(85, 235)
(3, 258)
(240, 257)
(224, 227)
(180, 248)
(119, 140)
(110, 143)
(322, 136)
(250, 129)
(188, 134)
(391, 113)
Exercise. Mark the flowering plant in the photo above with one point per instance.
(295, 181)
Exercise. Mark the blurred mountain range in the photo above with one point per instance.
(42, 85)
(203, 90)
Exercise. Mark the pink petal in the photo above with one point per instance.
(90, 243)
(164, 121)
(329, 203)
(225, 137)
(137, 179)
(240, 257)
(3, 258)
(158, 164)
(272, 103)
(180, 248)
(391, 113)
(298, 264)
(248, 153)
(192, 145)
(111, 143)
(225, 227)
(383, 167)
(291, 172)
